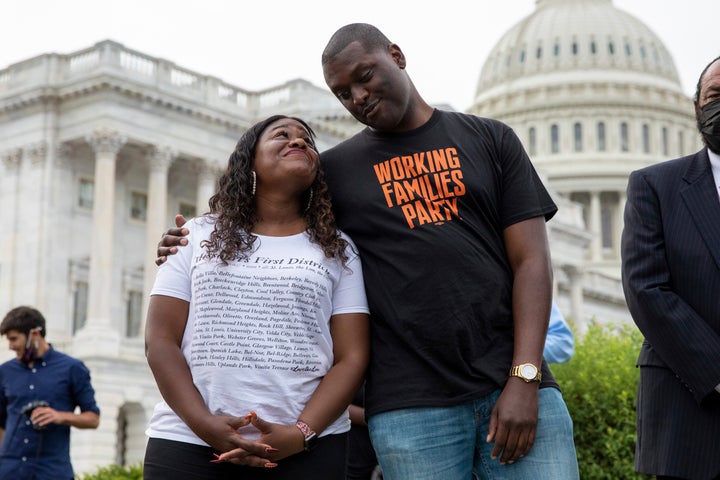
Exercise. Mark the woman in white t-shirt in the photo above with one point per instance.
(257, 329)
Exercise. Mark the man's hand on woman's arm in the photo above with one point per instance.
(171, 239)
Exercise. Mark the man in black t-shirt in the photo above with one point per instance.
(449, 217)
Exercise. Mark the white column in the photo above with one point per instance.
(29, 227)
(91, 448)
(207, 176)
(575, 277)
(57, 241)
(106, 144)
(620, 222)
(595, 227)
(9, 191)
(159, 161)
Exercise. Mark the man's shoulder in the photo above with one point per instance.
(7, 364)
(668, 177)
(462, 117)
(667, 167)
(54, 355)
(344, 146)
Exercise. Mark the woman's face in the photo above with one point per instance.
(285, 157)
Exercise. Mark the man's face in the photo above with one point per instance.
(17, 342)
(709, 86)
(372, 86)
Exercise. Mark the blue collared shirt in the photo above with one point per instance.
(64, 383)
(560, 342)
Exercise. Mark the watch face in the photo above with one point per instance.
(311, 441)
(528, 371)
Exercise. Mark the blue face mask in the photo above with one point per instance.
(709, 124)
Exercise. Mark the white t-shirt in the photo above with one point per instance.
(258, 331)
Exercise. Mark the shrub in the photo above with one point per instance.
(114, 472)
(599, 385)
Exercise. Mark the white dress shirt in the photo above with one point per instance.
(715, 165)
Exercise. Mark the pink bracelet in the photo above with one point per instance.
(304, 428)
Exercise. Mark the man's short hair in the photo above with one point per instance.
(369, 36)
(23, 319)
(696, 99)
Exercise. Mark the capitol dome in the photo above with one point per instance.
(584, 37)
(593, 94)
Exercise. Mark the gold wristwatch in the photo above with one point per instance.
(526, 371)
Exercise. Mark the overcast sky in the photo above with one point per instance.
(256, 44)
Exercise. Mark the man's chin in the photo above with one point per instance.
(362, 119)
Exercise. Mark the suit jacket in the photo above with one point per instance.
(671, 279)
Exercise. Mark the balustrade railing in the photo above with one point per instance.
(109, 57)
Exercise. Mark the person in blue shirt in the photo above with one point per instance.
(560, 342)
(39, 391)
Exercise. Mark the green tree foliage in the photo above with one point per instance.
(114, 472)
(599, 385)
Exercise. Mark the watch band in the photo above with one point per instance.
(308, 433)
(304, 428)
(517, 371)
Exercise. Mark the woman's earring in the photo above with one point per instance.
(254, 183)
(310, 199)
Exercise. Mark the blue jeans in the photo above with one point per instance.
(448, 443)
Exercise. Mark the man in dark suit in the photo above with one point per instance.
(671, 278)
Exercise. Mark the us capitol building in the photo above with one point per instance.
(99, 149)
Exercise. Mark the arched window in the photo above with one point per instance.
(554, 139)
(601, 145)
(624, 137)
(80, 303)
(606, 219)
(532, 138)
(646, 138)
(681, 143)
(577, 129)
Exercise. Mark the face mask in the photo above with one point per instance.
(709, 123)
(31, 348)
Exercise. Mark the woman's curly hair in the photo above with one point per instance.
(233, 205)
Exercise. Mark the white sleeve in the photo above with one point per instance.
(349, 293)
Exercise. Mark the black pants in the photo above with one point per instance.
(170, 460)
(660, 477)
(361, 455)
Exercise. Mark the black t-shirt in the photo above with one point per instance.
(427, 210)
